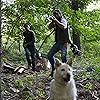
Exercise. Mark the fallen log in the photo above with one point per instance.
(9, 67)
(19, 70)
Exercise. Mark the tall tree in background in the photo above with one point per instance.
(75, 6)
(76, 34)
(0, 51)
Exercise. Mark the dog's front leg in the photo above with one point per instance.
(52, 72)
(48, 98)
(73, 98)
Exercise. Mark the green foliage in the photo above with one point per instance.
(36, 11)
(89, 86)
(21, 83)
(31, 86)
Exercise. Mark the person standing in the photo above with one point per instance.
(29, 45)
(60, 26)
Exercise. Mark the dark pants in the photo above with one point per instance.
(56, 47)
(30, 52)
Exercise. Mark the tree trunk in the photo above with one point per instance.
(76, 34)
(0, 51)
(76, 38)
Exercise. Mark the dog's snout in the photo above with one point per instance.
(68, 75)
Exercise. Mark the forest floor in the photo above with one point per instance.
(36, 86)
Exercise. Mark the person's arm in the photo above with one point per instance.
(69, 37)
(24, 44)
(51, 25)
(62, 24)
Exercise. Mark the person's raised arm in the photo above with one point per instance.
(62, 24)
(51, 25)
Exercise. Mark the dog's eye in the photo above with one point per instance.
(69, 69)
(62, 69)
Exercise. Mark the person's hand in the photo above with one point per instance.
(75, 50)
(65, 44)
(54, 18)
(24, 45)
(51, 25)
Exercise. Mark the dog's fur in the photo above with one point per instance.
(63, 85)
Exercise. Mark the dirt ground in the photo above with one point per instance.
(36, 86)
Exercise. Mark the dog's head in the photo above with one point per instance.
(63, 70)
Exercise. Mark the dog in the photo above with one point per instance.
(63, 85)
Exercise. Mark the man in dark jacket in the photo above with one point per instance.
(60, 26)
(29, 45)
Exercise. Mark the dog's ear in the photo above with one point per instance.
(69, 62)
(57, 63)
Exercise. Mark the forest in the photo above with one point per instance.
(84, 26)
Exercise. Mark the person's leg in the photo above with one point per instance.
(32, 51)
(51, 53)
(27, 54)
(63, 53)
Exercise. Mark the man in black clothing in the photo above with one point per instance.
(62, 38)
(29, 46)
(60, 26)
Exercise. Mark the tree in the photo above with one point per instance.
(0, 51)
(77, 5)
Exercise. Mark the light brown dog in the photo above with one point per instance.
(63, 85)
